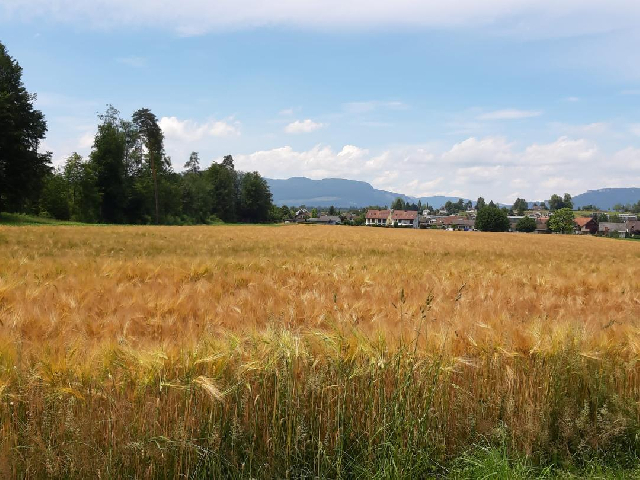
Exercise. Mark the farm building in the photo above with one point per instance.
(585, 225)
(542, 225)
(611, 228)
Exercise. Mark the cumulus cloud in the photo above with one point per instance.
(509, 114)
(304, 126)
(545, 17)
(492, 167)
(189, 130)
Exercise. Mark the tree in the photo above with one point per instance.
(108, 161)
(193, 164)
(22, 127)
(255, 198)
(332, 210)
(556, 202)
(222, 184)
(398, 204)
(196, 192)
(480, 203)
(314, 213)
(520, 206)
(526, 224)
(567, 202)
(83, 198)
(492, 219)
(153, 140)
(53, 201)
(562, 221)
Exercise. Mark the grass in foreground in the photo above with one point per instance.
(316, 352)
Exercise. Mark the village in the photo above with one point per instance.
(619, 225)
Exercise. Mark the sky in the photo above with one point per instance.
(492, 98)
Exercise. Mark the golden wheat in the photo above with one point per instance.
(152, 351)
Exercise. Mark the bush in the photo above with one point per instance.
(526, 224)
(492, 219)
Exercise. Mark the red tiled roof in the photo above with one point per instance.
(404, 215)
(375, 214)
(582, 221)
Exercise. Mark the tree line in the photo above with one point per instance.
(127, 177)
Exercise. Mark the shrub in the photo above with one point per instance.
(492, 219)
(526, 224)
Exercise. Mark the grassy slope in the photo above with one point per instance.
(17, 219)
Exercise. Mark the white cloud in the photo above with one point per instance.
(286, 111)
(572, 99)
(304, 126)
(635, 129)
(509, 114)
(518, 17)
(189, 130)
(492, 167)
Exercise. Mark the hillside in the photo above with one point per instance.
(339, 192)
(606, 198)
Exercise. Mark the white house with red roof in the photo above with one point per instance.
(392, 218)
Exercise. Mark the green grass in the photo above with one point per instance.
(17, 219)
(21, 219)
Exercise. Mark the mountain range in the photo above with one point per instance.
(343, 193)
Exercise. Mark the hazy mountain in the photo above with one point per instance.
(606, 198)
(339, 193)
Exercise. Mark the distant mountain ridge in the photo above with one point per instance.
(339, 192)
(606, 198)
(343, 193)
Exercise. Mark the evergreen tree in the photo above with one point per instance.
(108, 161)
(22, 169)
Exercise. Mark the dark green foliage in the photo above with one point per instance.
(455, 207)
(556, 202)
(526, 224)
(520, 206)
(53, 201)
(255, 198)
(480, 203)
(492, 219)
(22, 169)
(222, 182)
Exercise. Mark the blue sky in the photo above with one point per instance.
(495, 98)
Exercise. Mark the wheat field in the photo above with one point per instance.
(311, 352)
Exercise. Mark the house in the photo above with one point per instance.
(329, 220)
(392, 218)
(612, 229)
(633, 227)
(585, 225)
(455, 222)
(542, 225)
(404, 218)
(625, 217)
(377, 217)
(302, 215)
